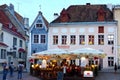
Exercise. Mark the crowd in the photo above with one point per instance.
(10, 69)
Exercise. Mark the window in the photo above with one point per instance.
(82, 39)
(14, 41)
(101, 39)
(111, 39)
(101, 29)
(91, 39)
(3, 54)
(36, 38)
(39, 24)
(64, 39)
(55, 39)
(110, 61)
(91, 62)
(72, 39)
(20, 55)
(1, 37)
(14, 54)
(43, 39)
(21, 43)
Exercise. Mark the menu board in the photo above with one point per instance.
(88, 74)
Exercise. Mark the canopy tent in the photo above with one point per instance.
(52, 53)
(88, 51)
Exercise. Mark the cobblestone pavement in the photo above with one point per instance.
(107, 74)
(26, 76)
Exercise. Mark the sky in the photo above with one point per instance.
(30, 8)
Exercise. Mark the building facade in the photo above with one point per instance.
(13, 36)
(116, 12)
(38, 39)
(90, 26)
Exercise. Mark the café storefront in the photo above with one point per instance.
(48, 64)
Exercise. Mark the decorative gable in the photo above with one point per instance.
(39, 23)
(101, 14)
(64, 17)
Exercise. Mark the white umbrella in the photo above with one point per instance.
(88, 51)
(51, 52)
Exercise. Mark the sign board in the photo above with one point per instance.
(88, 74)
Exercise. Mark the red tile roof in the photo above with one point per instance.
(4, 19)
(84, 13)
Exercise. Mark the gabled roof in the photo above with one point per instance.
(7, 23)
(44, 19)
(84, 13)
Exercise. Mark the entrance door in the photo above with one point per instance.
(101, 63)
(9, 60)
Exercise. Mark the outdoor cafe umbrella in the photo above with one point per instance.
(52, 53)
(89, 52)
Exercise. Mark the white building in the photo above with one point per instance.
(91, 27)
(13, 36)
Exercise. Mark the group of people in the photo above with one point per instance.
(10, 68)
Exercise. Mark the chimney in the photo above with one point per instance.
(11, 7)
(26, 22)
(56, 15)
(88, 4)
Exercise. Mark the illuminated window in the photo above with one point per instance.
(91, 39)
(82, 39)
(111, 39)
(101, 39)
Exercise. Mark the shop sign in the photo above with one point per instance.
(88, 74)
(31, 60)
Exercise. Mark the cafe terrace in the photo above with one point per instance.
(51, 63)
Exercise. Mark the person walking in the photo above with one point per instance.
(5, 70)
(115, 67)
(20, 70)
(11, 68)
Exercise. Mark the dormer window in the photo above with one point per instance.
(39, 24)
(64, 16)
(101, 14)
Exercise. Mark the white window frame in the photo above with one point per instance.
(64, 39)
(41, 38)
(3, 54)
(55, 39)
(110, 38)
(34, 39)
(39, 23)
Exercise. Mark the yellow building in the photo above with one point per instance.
(116, 12)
